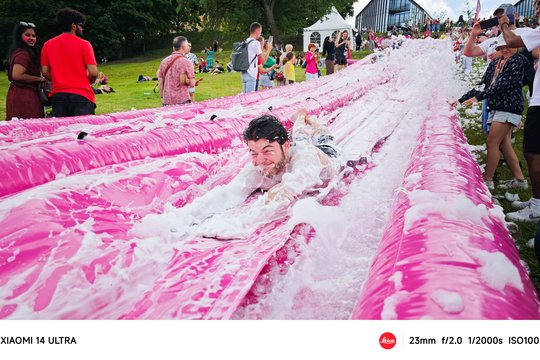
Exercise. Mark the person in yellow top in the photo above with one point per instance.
(288, 68)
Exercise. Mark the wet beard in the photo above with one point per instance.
(275, 169)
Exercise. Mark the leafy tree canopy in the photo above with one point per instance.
(118, 28)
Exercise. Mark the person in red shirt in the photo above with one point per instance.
(69, 62)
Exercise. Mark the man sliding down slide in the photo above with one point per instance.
(281, 168)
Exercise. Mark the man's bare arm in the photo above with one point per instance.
(511, 39)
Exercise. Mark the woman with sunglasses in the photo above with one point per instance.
(22, 99)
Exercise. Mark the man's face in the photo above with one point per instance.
(79, 28)
(258, 33)
(269, 157)
(186, 47)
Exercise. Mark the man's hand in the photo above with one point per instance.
(504, 19)
(476, 29)
(454, 102)
(302, 113)
(278, 193)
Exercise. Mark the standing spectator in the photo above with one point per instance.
(22, 99)
(436, 26)
(371, 40)
(328, 52)
(193, 58)
(428, 25)
(487, 49)
(209, 60)
(288, 69)
(447, 24)
(267, 69)
(530, 210)
(342, 48)
(71, 71)
(261, 60)
(176, 74)
(312, 59)
(358, 40)
(503, 82)
(249, 77)
(288, 48)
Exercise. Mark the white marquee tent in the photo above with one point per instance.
(327, 26)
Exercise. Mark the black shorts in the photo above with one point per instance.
(341, 61)
(68, 104)
(531, 131)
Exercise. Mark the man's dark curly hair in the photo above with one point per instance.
(65, 17)
(266, 127)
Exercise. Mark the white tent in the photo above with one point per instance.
(327, 26)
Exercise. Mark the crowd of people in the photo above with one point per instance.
(267, 70)
(512, 50)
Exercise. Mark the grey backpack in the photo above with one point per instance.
(239, 57)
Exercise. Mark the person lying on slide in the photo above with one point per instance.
(281, 168)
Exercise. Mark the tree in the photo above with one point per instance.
(469, 11)
(281, 17)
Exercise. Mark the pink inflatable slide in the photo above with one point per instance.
(69, 209)
(446, 253)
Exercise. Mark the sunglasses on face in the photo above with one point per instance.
(27, 24)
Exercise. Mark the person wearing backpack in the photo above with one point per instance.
(249, 76)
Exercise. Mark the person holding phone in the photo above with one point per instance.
(265, 64)
(487, 48)
(312, 59)
(328, 53)
(341, 50)
(528, 210)
(503, 82)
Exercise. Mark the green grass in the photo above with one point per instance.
(129, 94)
(526, 231)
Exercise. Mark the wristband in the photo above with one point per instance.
(504, 23)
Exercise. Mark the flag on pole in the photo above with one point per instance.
(478, 7)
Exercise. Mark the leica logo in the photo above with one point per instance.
(387, 340)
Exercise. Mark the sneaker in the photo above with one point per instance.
(490, 184)
(515, 184)
(518, 205)
(527, 214)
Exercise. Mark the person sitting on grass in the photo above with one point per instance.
(101, 79)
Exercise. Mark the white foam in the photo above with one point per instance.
(497, 271)
(451, 302)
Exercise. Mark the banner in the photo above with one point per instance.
(478, 8)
